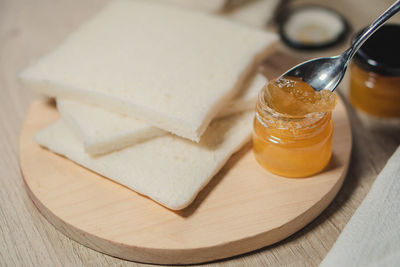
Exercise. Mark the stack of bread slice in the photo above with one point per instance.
(154, 97)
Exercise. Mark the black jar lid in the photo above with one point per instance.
(312, 27)
(381, 52)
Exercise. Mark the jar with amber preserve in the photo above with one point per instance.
(288, 145)
(375, 74)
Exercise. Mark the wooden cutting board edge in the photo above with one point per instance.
(185, 256)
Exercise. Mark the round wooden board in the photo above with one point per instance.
(242, 209)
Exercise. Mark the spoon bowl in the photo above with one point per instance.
(323, 73)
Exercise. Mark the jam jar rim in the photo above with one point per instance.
(311, 117)
(314, 122)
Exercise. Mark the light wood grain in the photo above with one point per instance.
(29, 29)
(243, 208)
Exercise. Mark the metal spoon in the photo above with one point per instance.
(326, 73)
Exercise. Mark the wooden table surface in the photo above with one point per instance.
(29, 29)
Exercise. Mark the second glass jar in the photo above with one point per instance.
(375, 74)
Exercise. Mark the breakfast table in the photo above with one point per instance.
(29, 29)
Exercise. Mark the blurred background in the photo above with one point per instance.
(29, 29)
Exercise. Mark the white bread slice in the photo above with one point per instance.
(245, 99)
(103, 131)
(255, 13)
(170, 67)
(168, 169)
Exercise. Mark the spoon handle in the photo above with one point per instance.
(393, 9)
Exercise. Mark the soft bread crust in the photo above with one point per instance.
(168, 169)
(104, 131)
(170, 67)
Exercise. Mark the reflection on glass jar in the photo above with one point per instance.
(375, 74)
(291, 146)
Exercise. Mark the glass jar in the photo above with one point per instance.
(291, 146)
(375, 74)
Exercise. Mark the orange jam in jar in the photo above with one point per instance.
(375, 74)
(293, 128)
